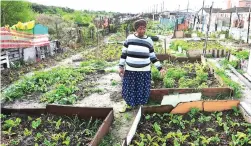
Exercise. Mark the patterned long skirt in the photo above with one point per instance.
(136, 87)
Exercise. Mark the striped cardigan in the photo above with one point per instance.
(138, 54)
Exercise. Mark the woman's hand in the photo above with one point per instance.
(162, 72)
(121, 72)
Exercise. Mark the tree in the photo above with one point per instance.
(14, 11)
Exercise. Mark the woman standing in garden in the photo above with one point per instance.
(135, 67)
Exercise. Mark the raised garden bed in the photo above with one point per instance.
(55, 125)
(182, 50)
(184, 75)
(156, 95)
(194, 123)
(223, 78)
(59, 85)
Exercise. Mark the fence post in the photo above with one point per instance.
(165, 44)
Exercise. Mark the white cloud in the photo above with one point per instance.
(133, 6)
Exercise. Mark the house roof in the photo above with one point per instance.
(214, 10)
(233, 10)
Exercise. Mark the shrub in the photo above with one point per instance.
(169, 82)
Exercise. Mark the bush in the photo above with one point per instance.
(188, 83)
(156, 74)
(175, 73)
(169, 82)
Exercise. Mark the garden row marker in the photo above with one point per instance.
(175, 99)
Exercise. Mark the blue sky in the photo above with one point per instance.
(133, 6)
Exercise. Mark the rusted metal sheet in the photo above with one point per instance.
(81, 112)
(157, 109)
(30, 111)
(103, 130)
(157, 94)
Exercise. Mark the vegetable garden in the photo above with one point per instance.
(184, 75)
(194, 128)
(198, 123)
(52, 126)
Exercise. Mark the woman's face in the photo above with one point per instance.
(141, 31)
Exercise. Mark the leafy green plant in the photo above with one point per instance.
(35, 124)
(156, 74)
(175, 73)
(114, 83)
(244, 54)
(240, 139)
(203, 119)
(62, 95)
(193, 112)
(188, 83)
(9, 132)
(2, 116)
(58, 123)
(236, 111)
(27, 132)
(147, 117)
(67, 141)
(157, 128)
(169, 82)
(236, 87)
(48, 143)
(38, 136)
(11, 123)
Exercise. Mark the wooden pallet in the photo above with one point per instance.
(5, 60)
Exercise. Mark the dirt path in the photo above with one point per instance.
(111, 98)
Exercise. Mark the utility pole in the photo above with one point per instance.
(239, 22)
(187, 5)
(230, 20)
(249, 17)
(208, 28)
(202, 15)
(163, 6)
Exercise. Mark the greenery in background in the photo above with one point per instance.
(95, 64)
(117, 37)
(59, 85)
(14, 11)
(185, 45)
(61, 80)
(225, 63)
(158, 47)
(155, 28)
(244, 54)
(108, 52)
